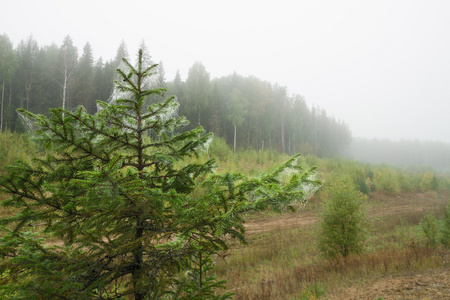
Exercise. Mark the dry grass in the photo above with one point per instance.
(284, 262)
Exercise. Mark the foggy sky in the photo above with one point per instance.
(383, 67)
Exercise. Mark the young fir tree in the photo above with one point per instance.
(120, 215)
(343, 224)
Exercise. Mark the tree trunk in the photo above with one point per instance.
(283, 147)
(138, 252)
(249, 132)
(289, 146)
(234, 146)
(64, 89)
(1, 108)
(10, 93)
(27, 94)
(270, 142)
(138, 261)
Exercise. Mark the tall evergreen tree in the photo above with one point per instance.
(122, 52)
(161, 75)
(84, 89)
(146, 56)
(280, 97)
(103, 80)
(8, 66)
(26, 53)
(46, 91)
(197, 91)
(130, 217)
(214, 112)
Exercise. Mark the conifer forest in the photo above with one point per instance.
(245, 111)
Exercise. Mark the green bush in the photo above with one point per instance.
(430, 229)
(362, 185)
(342, 221)
(387, 180)
(427, 183)
(220, 150)
(445, 231)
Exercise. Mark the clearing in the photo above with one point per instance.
(426, 284)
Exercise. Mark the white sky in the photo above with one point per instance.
(383, 67)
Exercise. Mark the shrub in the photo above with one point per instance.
(445, 231)
(386, 180)
(427, 183)
(219, 149)
(343, 221)
(363, 187)
(429, 228)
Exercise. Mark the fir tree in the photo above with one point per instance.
(121, 215)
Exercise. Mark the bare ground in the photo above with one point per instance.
(381, 205)
(433, 284)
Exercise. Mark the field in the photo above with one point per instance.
(282, 262)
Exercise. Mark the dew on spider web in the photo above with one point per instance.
(29, 124)
(148, 83)
(161, 114)
(205, 146)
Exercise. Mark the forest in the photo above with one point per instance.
(245, 111)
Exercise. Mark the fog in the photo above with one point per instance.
(383, 67)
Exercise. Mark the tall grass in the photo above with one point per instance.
(14, 146)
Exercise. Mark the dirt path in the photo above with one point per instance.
(424, 285)
(382, 205)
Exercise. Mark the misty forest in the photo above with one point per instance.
(246, 112)
(119, 183)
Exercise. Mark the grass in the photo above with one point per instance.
(286, 264)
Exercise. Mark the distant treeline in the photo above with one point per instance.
(245, 111)
(404, 153)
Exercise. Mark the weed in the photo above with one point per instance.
(314, 291)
